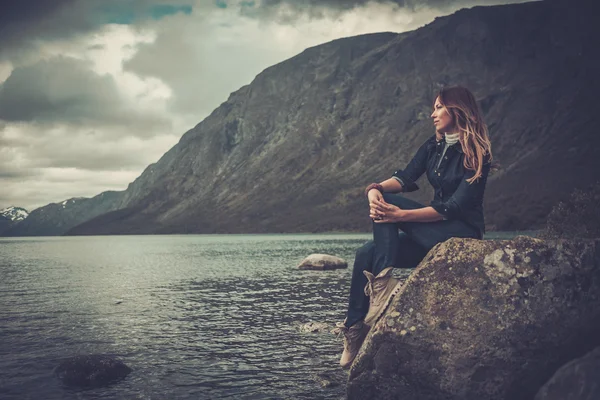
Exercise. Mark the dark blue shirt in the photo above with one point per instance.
(454, 197)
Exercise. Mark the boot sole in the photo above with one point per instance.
(393, 294)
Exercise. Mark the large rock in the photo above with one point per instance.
(484, 320)
(91, 370)
(577, 217)
(577, 380)
(322, 262)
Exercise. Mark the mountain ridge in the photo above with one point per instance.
(292, 150)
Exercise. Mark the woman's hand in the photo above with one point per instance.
(374, 194)
(382, 212)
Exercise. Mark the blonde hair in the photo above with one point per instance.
(473, 132)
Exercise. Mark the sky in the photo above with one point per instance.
(92, 91)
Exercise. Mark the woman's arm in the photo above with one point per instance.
(391, 186)
(466, 195)
(407, 177)
(382, 212)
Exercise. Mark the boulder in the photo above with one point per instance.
(483, 320)
(577, 217)
(91, 370)
(577, 380)
(322, 262)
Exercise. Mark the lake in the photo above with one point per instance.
(194, 316)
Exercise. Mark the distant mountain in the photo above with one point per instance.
(11, 216)
(57, 218)
(14, 214)
(293, 150)
(5, 223)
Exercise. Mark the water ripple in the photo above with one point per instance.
(194, 316)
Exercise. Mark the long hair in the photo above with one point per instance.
(473, 132)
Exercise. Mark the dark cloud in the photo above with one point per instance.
(16, 174)
(349, 4)
(318, 8)
(23, 22)
(61, 88)
(65, 90)
(29, 10)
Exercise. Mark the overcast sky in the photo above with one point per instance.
(92, 91)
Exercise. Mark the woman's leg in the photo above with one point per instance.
(425, 234)
(409, 256)
(428, 234)
(388, 251)
(358, 304)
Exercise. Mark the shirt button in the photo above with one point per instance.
(446, 157)
(438, 174)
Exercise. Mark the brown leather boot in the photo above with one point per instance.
(353, 339)
(380, 289)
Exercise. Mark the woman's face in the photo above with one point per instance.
(441, 118)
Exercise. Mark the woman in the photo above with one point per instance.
(457, 162)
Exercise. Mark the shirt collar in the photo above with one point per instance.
(434, 141)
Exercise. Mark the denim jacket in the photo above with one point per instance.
(454, 197)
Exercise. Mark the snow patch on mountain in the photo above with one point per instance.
(15, 214)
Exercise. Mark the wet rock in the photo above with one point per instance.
(484, 320)
(91, 370)
(314, 327)
(329, 379)
(576, 380)
(322, 262)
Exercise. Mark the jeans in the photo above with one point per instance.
(404, 249)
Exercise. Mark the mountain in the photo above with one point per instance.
(11, 216)
(293, 150)
(57, 218)
(14, 214)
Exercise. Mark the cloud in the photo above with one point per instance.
(64, 89)
(287, 11)
(66, 162)
(205, 56)
(93, 92)
(57, 184)
(22, 146)
(24, 23)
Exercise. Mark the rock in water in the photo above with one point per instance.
(91, 370)
(314, 327)
(483, 320)
(576, 380)
(322, 262)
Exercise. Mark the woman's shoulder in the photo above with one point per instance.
(430, 143)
